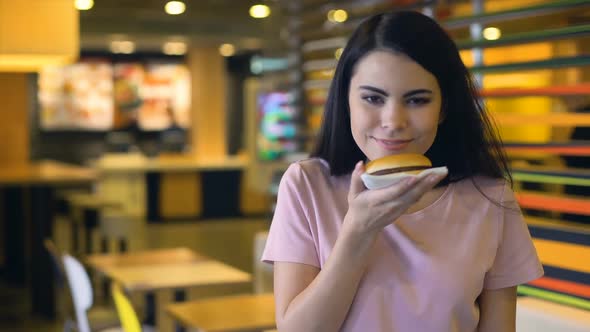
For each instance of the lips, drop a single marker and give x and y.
(392, 144)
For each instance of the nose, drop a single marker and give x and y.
(394, 117)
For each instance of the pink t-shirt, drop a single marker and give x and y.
(428, 268)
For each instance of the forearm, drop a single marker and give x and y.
(324, 304)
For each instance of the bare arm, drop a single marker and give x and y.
(497, 310)
(309, 299)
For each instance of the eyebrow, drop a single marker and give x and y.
(407, 94)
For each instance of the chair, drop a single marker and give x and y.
(105, 215)
(64, 211)
(127, 314)
(88, 210)
(115, 225)
(64, 309)
(82, 296)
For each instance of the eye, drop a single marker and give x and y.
(418, 101)
(374, 99)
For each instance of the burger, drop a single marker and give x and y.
(408, 163)
(383, 172)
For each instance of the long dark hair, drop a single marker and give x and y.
(466, 142)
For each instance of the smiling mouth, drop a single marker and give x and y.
(392, 144)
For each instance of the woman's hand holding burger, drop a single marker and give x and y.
(369, 211)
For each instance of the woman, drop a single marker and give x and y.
(440, 253)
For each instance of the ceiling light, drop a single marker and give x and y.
(227, 49)
(259, 11)
(175, 7)
(122, 46)
(492, 33)
(337, 15)
(174, 48)
(84, 4)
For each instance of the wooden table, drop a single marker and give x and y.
(46, 173)
(228, 313)
(28, 194)
(105, 262)
(164, 278)
(177, 275)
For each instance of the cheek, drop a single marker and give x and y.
(359, 120)
(355, 124)
(431, 118)
(432, 133)
(429, 125)
(426, 123)
(358, 124)
(355, 116)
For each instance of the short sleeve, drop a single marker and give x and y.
(516, 260)
(290, 238)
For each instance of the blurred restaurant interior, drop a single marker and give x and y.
(142, 143)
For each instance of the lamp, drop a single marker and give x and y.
(37, 33)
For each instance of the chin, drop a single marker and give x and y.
(385, 153)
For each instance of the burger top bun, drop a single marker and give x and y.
(389, 170)
(407, 163)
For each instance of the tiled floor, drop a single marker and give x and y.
(230, 241)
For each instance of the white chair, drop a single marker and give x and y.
(262, 272)
(82, 297)
(99, 317)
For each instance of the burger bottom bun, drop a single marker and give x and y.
(382, 181)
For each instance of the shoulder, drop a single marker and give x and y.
(313, 176)
(481, 186)
(306, 171)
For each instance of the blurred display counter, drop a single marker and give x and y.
(129, 163)
(45, 173)
(27, 198)
(174, 187)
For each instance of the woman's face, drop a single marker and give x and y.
(395, 105)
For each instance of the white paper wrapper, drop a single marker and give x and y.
(381, 181)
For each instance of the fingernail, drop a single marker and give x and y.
(357, 167)
(410, 181)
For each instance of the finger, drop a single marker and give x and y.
(438, 170)
(415, 186)
(390, 193)
(422, 186)
(356, 183)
